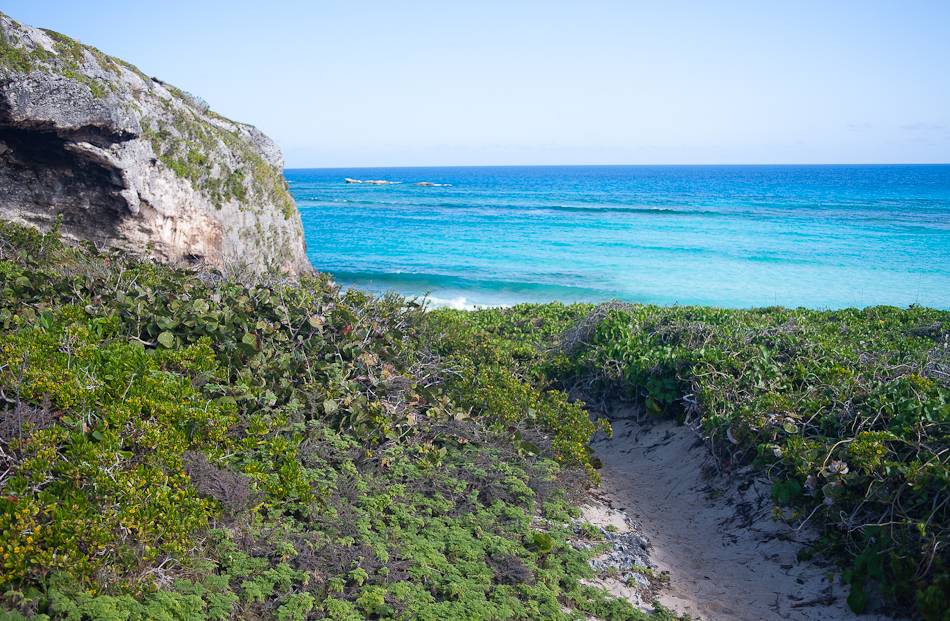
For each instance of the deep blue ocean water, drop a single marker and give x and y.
(731, 236)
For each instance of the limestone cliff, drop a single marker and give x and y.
(130, 161)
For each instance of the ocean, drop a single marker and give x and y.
(822, 237)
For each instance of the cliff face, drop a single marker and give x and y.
(130, 161)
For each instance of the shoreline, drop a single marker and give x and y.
(460, 300)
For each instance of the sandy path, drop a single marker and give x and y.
(715, 535)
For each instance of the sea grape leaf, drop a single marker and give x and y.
(543, 542)
(858, 597)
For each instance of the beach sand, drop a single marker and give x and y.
(715, 534)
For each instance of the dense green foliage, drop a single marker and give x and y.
(187, 446)
(848, 411)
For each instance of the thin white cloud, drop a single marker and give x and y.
(915, 126)
(856, 127)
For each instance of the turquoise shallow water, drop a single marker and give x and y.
(732, 236)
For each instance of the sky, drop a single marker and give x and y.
(524, 82)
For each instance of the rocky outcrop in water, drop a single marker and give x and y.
(127, 160)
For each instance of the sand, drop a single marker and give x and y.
(715, 534)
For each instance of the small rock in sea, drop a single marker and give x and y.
(378, 182)
(348, 180)
(424, 183)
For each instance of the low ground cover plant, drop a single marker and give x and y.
(193, 445)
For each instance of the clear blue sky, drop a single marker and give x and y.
(417, 83)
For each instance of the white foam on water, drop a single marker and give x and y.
(459, 303)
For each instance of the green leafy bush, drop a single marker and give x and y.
(848, 411)
(182, 445)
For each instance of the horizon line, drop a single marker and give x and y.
(608, 165)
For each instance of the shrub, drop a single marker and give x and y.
(179, 445)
